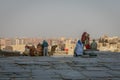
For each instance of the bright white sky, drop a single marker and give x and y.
(56, 18)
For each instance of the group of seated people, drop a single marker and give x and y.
(85, 39)
(85, 45)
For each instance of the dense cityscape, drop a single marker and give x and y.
(105, 43)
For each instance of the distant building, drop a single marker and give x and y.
(109, 44)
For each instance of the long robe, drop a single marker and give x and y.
(79, 48)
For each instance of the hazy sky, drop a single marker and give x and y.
(56, 18)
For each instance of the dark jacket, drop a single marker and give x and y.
(45, 44)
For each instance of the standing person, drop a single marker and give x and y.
(45, 48)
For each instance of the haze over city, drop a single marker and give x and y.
(56, 18)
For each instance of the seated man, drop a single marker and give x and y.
(94, 45)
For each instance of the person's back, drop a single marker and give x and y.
(45, 44)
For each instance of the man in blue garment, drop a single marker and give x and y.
(45, 48)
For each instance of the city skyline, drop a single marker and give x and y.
(57, 18)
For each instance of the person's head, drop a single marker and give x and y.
(43, 40)
(84, 33)
(93, 40)
(87, 35)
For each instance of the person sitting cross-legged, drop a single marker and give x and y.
(94, 45)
